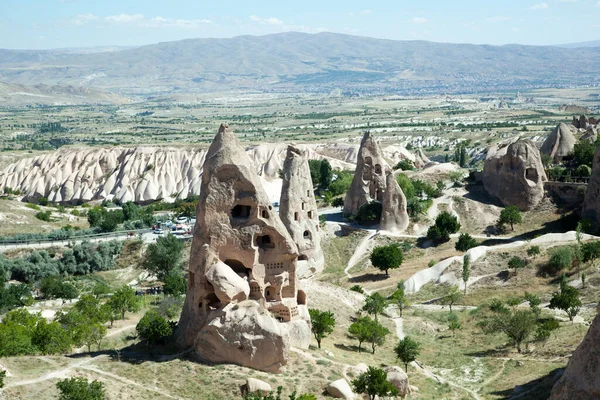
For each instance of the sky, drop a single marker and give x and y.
(44, 24)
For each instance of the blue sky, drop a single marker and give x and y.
(40, 24)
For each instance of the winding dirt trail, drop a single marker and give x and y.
(359, 253)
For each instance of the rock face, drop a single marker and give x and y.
(581, 379)
(298, 212)
(421, 159)
(255, 386)
(591, 203)
(591, 135)
(243, 303)
(397, 377)
(559, 143)
(340, 389)
(371, 182)
(515, 175)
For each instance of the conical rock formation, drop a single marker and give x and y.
(515, 175)
(581, 379)
(298, 212)
(370, 183)
(591, 202)
(559, 143)
(243, 303)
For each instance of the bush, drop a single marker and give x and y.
(387, 257)
(405, 165)
(80, 389)
(510, 215)
(465, 242)
(341, 183)
(337, 202)
(445, 225)
(369, 214)
(44, 215)
(560, 259)
(583, 170)
(43, 201)
(358, 289)
(154, 328)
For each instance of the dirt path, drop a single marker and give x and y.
(359, 253)
(61, 373)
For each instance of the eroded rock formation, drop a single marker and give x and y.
(374, 181)
(590, 135)
(298, 212)
(559, 143)
(243, 303)
(591, 202)
(515, 175)
(581, 379)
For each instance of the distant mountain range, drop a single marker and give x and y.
(298, 62)
(578, 45)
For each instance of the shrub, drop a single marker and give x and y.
(44, 215)
(43, 201)
(405, 165)
(80, 389)
(510, 215)
(369, 214)
(358, 289)
(154, 328)
(560, 259)
(445, 224)
(465, 242)
(583, 170)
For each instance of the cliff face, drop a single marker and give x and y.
(145, 173)
(581, 379)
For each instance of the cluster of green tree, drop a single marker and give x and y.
(419, 194)
(330, 183)
(277, 396)
(461, 156)
(23, 333)
(83, 258)
(13, 296)
(405, 164)
(64, 233)
(79, 388)
(579, 164)
(163, 259)
(520, 325)
(10, 191)
(465, 242)
(445, 225)
(132, 215)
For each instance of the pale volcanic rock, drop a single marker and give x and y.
(559, 143)
(590, 135)
(298, 212)
(394, 216)
(228, 285)
(421, 159)
(371, 183)
(591, 202)
(398, 378)
(340, 389)
(238, 229)
(515, 175)
(256, 386)
(581, 378)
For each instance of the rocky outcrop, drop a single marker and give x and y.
(371, 182)
(559, 143)
(340, 389)
(298, 212)
(591, 202)
(590, 135)
(398, 378)
(581, 379)
(584, 122)
(253, 318)
(515, 175)
(255, 386)
(421, 159)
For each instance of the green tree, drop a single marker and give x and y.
(445, 225)
(187, 209)
(51, 338)
(566, 299)
(407, 350)
(510, 215)
(124, 300)
(516, 263)
(517, 325)
(465, 242)
(374, 383)
(131, 211)
(101, 289)
(325, 175)
(561, 258)
(399, 299)
(452, 296)
(369, 214)
(387, 257)
(338, 202)
(315, 171)
(2, 376)
(163, 256)
(79, 388)
(534, 303)
(454, 323)
(590, 251)
(466, 270)
(175, 283)
(92, 334)
(374, 304)
(359, 330)
(154, 328)
(322, 324)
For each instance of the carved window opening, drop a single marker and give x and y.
(368, 161)
(378, 168)
(264, 242)
(308, 193)
(310, 214)
(531, 174)
(241, 211)
(238, 267)
(306, 235)
(301, 298)
(255, 293)
(302, 206)
(296, 216)
(265, 214)
(213, 301)
(302, 257)
(271, 293)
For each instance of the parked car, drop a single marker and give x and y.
(158, 231)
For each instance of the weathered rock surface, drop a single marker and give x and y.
(256, 386)
(340, 389)
(421, 159)
(591, 135)
(238, 229)
(370, 183)
(397, 377)
(515, 175)
(581, 379)
(147, 173)
(559, 143)
(298, 212)
(591, 202)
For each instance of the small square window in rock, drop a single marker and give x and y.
(241, 211)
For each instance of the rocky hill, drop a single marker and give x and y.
(41, 94)
(146, 173)
(311, 62)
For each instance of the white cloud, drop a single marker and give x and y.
(266, 21)
(498, 19)
(124, 18)
(83, 19)
(419, 20)
(539, 6)
(160, 22)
